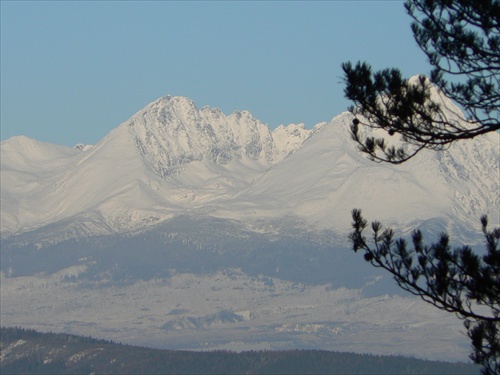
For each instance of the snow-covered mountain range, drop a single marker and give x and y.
(189, 228)
(172, 158)
(168, 158)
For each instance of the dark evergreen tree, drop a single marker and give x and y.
(458, 281)
(461, 39)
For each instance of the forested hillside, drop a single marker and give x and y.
(28, 352)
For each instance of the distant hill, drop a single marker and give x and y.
(30, 352)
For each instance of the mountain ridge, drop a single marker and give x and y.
(171, 158)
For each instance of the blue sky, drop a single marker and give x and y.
(72, 71)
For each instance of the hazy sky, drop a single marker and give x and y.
(72, 71)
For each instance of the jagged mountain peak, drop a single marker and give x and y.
(172, 132)
(169, 156)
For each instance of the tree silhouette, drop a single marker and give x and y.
(461, 40)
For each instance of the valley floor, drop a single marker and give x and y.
(231, 310)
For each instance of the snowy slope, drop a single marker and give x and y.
(28, 170)
(172, 158)
(325, 179)
(168, 158)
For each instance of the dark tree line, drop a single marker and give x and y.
(462, 42)
(51, 353)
